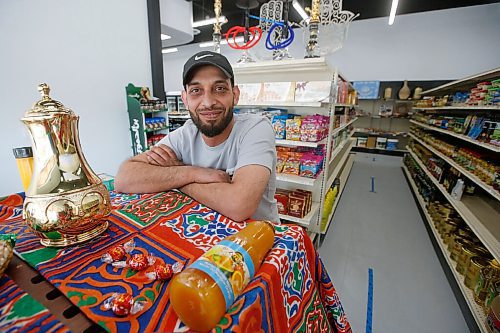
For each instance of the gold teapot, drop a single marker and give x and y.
(66, 202)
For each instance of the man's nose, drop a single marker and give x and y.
(208, 99)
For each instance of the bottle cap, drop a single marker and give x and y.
(23, 152)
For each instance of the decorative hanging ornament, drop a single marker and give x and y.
(216, 36)
(327, 27)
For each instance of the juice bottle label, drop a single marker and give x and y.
(230, 266)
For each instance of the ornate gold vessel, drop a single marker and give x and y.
(66, 202)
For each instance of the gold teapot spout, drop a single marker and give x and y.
(66, 202)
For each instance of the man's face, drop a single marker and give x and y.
(210, 99)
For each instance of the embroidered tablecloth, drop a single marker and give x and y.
(291, 292)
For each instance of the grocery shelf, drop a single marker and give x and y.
(338, 149)
(306, 220)
(476, 310)
(385, 149)
(490, 190)
(343, 180)
(465, 83)
(479, 213)
(293, 143)
(154, 111)
(341, 127)
(148, 130)
(285, 104)
(340, 164)
(297, 179)
(461, 107)
(459, 136)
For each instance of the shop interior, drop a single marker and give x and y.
(408, 139)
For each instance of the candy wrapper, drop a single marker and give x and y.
(7, 242)
(123, 304)
(118, 252)
(163, 272)
(138, 262)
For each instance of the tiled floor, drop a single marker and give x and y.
(384, 231)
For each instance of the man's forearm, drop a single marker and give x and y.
(221, 197)
(138, 177)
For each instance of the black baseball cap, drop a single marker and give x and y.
(207, 58)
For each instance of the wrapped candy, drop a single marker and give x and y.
(7, 242)
(123, 304)
(118, 252)
(163, 272)
(138, 262)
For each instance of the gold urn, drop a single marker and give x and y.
(66, 202)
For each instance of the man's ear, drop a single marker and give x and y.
(236, 97)
(184, 98)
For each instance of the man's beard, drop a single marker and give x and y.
(213, 128)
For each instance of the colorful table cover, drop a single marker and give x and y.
(291, 292)
(20, 313)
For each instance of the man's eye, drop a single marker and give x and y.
(194, 91)
(220, 89)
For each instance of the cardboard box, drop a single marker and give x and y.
(371, 142)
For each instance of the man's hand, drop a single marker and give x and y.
(162, 155)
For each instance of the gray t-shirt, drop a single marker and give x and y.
(251, 142)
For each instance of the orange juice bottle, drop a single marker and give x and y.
(203, 292)
(24, 160)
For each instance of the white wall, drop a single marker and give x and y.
(87, 51)
(438, 45)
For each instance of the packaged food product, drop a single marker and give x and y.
(123, 304)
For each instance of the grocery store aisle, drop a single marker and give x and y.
(384, 231)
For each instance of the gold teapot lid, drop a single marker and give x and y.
(46, 106)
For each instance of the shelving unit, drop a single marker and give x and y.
(460, 107)
(459, 136)
(476, 310)
(294, 70)
(343, 180)
(464, 83)
(137, 119)
(478, 213)
(306, 220)
(488, 189)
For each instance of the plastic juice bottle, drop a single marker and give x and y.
(24, 160)
(203, 292)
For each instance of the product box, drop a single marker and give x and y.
(361, 142)
(249, 92)
(381, 143)
(277, 92)
(371, 142)
(312, 91)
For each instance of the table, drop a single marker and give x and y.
(291, 292)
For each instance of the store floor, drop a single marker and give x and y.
(385, 232)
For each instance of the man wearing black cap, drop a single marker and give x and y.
(225, 161)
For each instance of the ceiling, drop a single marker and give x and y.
(367, 9)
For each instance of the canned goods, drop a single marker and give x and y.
(486, 276)
(493, 316)
(476, 265)
(492, 292)
(457, 248)
(447, 228)
(467, 252)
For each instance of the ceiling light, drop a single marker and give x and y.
(222, 20)
(170, 50)
(164, 37)
(300, 10)
(392, 16)
(223, 42)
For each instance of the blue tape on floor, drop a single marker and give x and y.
(369, 305)
(373, 185)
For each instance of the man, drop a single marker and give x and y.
(227, 162)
